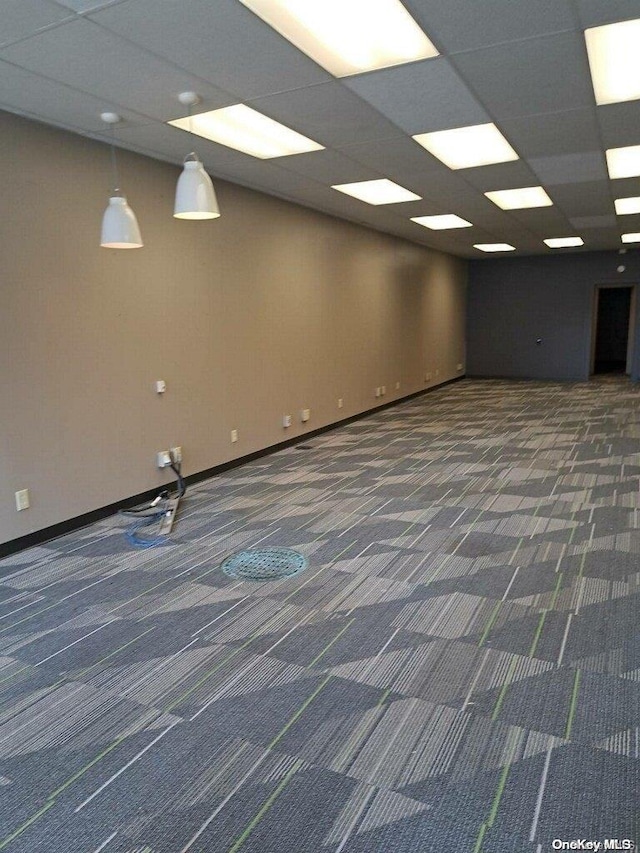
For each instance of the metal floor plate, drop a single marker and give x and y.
(264, 564)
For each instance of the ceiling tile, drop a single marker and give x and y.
(420, 97)
(328, 167)
(603, 238)
(548, 134)
(477, 209)
(397, 152)
(500, 176)
(594, 13)
(460, 246)
(528, 245)
(22, 18)
(99, 63)
(586, 222)
(277, 181)
(328, 113)
(628, 223)
(461, 25)
(517, 233)
(222, 42)
(425, 175)
(436, 185)
(570, 168)
(432, 207)
(542, 221)
(587, 199)
(82, 6)
(620, 124)
(624, 187)
(31, 95)
(338, 204)
(540, 75)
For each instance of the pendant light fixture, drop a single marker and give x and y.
(119, 224)
(195, 195)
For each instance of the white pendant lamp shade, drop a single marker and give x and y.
(195, 195)
(119, 226)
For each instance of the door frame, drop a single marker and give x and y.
(632, 324)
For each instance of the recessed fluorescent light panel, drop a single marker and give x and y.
(464, 147)
(441, 223)
(377, 192)
(627, 205)
(631, 238)
(347, 36)
(623, 162)
(614, 60)
(564, 242)
(247, 130)
(494, 247)
(518, 199)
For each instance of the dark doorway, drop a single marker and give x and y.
(612, 330)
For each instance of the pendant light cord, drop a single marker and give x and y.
(114, 163)
(190, 118)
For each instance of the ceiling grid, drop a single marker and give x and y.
(521, 66)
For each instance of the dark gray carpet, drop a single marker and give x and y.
(458, 670)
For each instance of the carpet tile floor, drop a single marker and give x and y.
(457, 670)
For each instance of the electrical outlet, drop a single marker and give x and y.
(437, 371)
(377, 392)
(427, 376)
(234, 435)
(163, 459)
(397, 386)
(177, 453)
(383, 390)
(161, 386)
(286, 421)
(340, 402)
(22, 500)
(459, 367)
(305, 414)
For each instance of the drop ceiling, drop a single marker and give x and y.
(521, 64)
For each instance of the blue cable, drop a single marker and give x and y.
(144, 542)
(146, 520)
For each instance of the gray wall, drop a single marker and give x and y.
(514, 301)
(268, 310)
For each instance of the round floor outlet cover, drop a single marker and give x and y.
(264, 564)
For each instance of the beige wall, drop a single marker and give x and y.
(268, 310)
